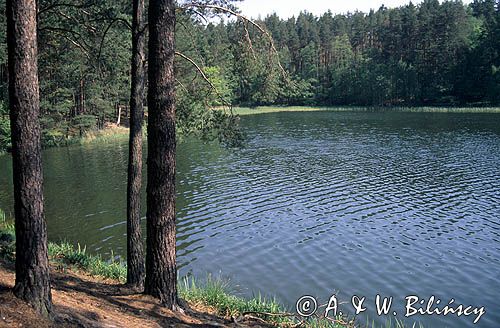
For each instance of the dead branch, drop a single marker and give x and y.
(204, 76)
(124, 21)
(56, 5)
(249, 40)
(197, 14)
(77, 44)
(62, 31)
(182, 86)
(89, 28)
(244, 18)
(271, 314)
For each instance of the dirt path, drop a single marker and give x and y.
(84, 301)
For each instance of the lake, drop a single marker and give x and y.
(384, 203)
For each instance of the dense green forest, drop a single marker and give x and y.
(430, 54)
(427, 54)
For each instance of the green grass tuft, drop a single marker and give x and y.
(66, 254)
(6, 224)
(7, 237)
(214, 293)
(108, 135)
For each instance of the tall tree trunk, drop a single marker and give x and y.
(135, 252)
(161, 270)
(32, 265)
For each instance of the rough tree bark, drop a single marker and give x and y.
(135, 252)
(161, 270)
(32, 265)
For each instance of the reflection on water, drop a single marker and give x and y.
(360, 203)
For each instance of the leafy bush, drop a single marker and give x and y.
(53, 138)
(84, 123)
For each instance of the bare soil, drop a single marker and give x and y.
(84, 301)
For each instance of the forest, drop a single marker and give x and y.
(429, 54)
(432, 54)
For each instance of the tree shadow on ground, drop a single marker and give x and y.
(126, 300)
(82, 301)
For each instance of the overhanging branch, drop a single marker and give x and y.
(204, 76)
(229, 11)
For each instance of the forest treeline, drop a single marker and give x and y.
(427, 54)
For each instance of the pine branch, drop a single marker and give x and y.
(204, 76)
(232, 12)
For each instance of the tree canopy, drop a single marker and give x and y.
(428, 54)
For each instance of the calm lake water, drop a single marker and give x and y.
(362, 204)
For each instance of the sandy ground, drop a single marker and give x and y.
(84, 301)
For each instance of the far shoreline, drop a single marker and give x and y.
(113, 133)
(244, 111)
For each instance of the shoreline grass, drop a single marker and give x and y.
(106, 135)
(211, 294)
(244, 111)
(66, 255)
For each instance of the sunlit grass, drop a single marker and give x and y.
(64, 254)
(107, 135)
(7, 236)
(243, 111)
(6, 224)
(67, 255)
(214, 294)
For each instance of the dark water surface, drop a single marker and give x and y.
(394, 204)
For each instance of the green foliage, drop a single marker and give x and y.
(84, 123)
(431, 54)
(4, 133)
(223, 127)
(194, 118)
(7, 237)
(5, 142)
(6, 224)
(66, 254)
(53, 138)
(214, 293)
(221, 96)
